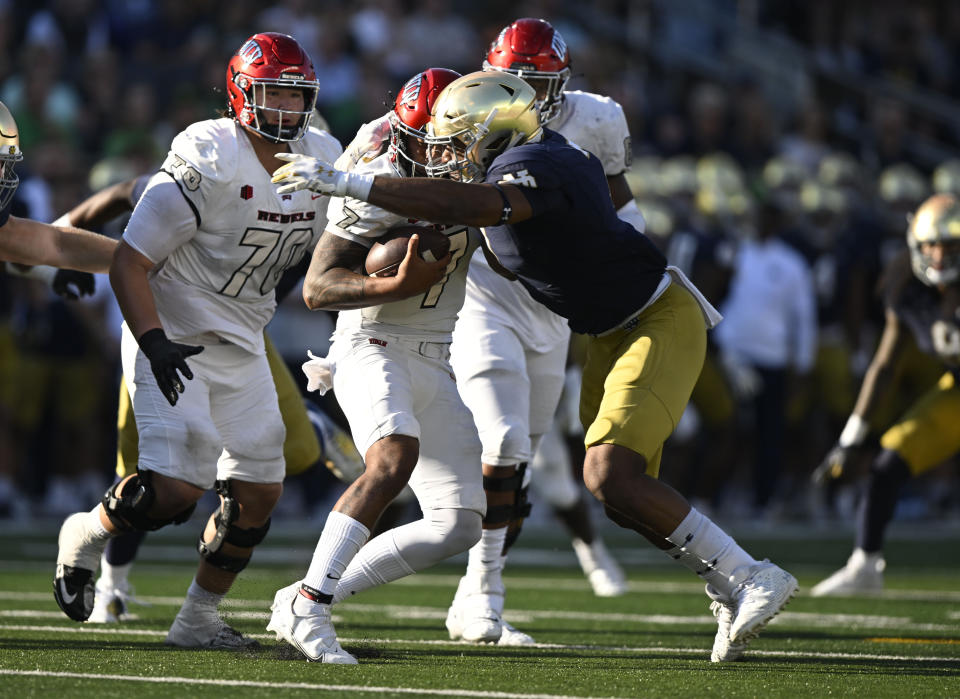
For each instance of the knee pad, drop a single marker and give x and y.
(227, 531)
(514, 514)
(440, 534)
(507, 440)
(127, 502)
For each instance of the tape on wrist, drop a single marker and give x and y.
(357, 185)
(854, 432)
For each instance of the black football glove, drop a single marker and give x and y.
(166, 359)
(72, 285)
(837, 465)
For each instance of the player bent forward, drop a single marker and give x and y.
(549, 219)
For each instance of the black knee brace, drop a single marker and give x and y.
(513, 514)
(226, 531)
(128, 511)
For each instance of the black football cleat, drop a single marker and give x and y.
(73, 588)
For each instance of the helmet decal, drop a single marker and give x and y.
(250, 52)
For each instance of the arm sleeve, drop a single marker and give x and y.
(162, 221)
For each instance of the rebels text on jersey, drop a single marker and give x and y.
(573, 255)
(216, 271)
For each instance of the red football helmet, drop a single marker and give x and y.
(411, 112)
(533, 50)
(271, 60)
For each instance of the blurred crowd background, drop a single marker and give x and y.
(820, 123)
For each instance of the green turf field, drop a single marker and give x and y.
(653, 642)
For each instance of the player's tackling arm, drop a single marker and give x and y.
(333, 280)
(446, 201)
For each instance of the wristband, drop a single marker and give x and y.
(356, 185)
(507, 209)
(63, 220)
(854, 432)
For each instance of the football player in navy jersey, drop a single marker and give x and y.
(550, 221)
(921, 289)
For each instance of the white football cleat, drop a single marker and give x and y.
(605, 575)
(863, 572)
(206, 630)
(724, 650)
(77, 560)
(483, 625)
(511, 636)
(312, 634)
(112, 604)
(759, 598)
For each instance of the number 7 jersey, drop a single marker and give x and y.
(217, 272)
(431, 315)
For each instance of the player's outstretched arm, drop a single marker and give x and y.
(28, 242)
(333, 280)
(437, 200)
(876, 383)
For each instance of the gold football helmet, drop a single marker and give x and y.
(10, 155)
(934, 240)
(946, 178)
(475, 119)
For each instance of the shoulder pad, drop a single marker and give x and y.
(210, 147)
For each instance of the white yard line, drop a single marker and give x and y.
(120, 631)
(290, 685)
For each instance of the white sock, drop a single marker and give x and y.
(95, 527)
(377, 563)
(413, 547)
(114, 577)
(711, 553)
(200, 599)
(485, 562)
(339, 542)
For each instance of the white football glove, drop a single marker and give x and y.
(305, 172)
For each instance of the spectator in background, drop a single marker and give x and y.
(769, 330)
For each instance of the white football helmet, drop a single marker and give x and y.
(475, 119)
(934, 240)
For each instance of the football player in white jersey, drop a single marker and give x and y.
(205, 246)
(24, 241)
(510, 352)
(393, 380)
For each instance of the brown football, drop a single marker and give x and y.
(385, 255)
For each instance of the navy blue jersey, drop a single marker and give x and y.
(573, 255)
